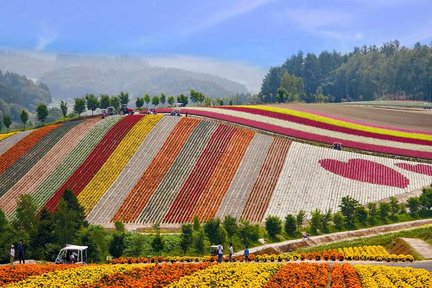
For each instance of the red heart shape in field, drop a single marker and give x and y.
(419, 168)
(366, 171)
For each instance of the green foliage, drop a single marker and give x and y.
(119, 226)
(394, 206)
(197, 97)
(300, 217)
(25, 221)
(316, 221)
(338, 220)
(155, 101)
(105, 101)
(183, 99)
(273, 225)
(139, 102)
(373, 213)
(117, 244)
(348, 206)
(384, 210)
(63, 107)
(79, 106)
(248, 233)
(413, 204)
(171, 100)
(230, 225)
(199, 242)
(134, 245)
(95, 238)
(290, 225)
(124, 97)
(426, 199)
(115, 102)
(7, 121)
(214, 231)
(24, 116)
(361, 215)
(157, 244)
(162, 99)
(186, 237)
(326, 219)
(42, 112)
(44, 234)
(92, 102)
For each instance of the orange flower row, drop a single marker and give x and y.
(344, 276)
(148, 276)
(8, 158)
(15, 273)
(300, 275)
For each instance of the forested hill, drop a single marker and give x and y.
(18, 92)
(366, 73)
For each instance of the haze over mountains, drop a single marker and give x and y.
(71, 76)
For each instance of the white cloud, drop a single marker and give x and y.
(246, 74)
(46, 36)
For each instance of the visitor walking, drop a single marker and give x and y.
(220, 252)
(12, 254)
(231, 251)
(21, 252)
(246, 254)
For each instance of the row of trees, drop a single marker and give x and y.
(366, 73)
(41, 113)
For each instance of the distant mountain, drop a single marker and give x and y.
(71, 76)
(18, 92)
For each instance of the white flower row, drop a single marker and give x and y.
(7, 143)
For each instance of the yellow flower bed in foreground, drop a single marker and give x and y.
(6, 135)
(73, 277)
(109, 172)
(230, 275)
(342, 123)
(385, 276)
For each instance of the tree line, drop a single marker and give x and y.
(366, 73)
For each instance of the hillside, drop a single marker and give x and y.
(70, 76)
(147, 169)
(18, 92)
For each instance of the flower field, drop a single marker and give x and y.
(6, 135)
(155, 168)
(213, 275)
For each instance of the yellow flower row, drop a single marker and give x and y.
(378, 253)
(6, 135)
(73, 277)
(385, 276)
(341, 123)
(109, 172)
(230, 275)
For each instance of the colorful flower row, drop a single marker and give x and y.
(344, 276)
(6, 135)
(15, 273)
(383, 276)
(301, 275)
(72, 277)
(45, 166)
(7, 143)
(117, 161)
(377, 253)
(105, 209)
(148, 276)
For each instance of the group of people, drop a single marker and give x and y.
(20, 250)
(231, 252)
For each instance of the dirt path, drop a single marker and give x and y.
(421, 247)
(290, 245)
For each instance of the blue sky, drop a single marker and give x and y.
(259, 33)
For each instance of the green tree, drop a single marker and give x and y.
(214, 231)
(7, 121)
(162, 99)
(104, 101)
(338, 220)
(348, 206)
(79, 105)
(199, 242)
(171, 100)
(300, 217)
(139, 102)
(394, 207)
(373, 213)
(117, 244)
(248, 233)
(186, 237)
(155, 101)
(316, 221)
(124, 97)
(326, 219)
(44, 235)
(183, 99)
(63, 108)
(230, 225)
(25, 221)
(413, 206)
(273, 225)
(197, 97)
(115, 102)
(384, 210)
(290, 225)
(157, 242)
(119, 226)
(426, 200)
(147, 99)
(196, 223)
(95, 237)
(42, 112)
(281, 95)
(92, 102)
(24, 117)
(361, 215)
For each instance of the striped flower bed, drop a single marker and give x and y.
(164, 196)
(10, 141)
(6, 135)
(146, 186)
(113, 166)
(72, 161)
(83, 174)
(46, 165)
(113, 198)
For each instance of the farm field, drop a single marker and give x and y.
(207, 274)
(144, 169)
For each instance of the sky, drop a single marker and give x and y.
(250, 34)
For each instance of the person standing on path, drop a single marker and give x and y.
(21, 252)
(12, 254)
(220, 252)
(246, 254)
(231, 251)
